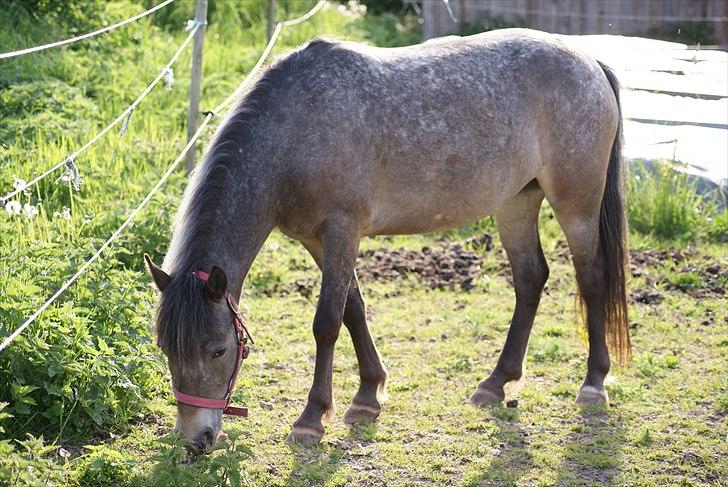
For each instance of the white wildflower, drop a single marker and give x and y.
(30, 210)
(168, 79)
(356, 8)
(13, 207)
(21, 185)
(66, 213)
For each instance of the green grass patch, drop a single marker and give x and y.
(664, 202)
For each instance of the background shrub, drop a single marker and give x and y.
(664, 202)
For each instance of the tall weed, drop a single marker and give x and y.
(665, 203)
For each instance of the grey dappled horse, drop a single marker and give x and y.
(337, 141)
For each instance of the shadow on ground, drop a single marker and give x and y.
(593, 449)
(512, 459)
(314, 465)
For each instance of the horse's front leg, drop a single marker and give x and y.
(340, 246)
(367, 404)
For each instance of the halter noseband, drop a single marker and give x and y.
(242, 353)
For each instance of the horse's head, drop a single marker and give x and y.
(198, 330)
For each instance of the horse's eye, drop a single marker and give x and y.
(219, 353)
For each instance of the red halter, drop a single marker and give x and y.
(242, 353)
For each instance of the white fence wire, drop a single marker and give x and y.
(43, 47)
(123, 116)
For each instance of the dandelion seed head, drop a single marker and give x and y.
(30, 210)
(13, 207)
(168, 79)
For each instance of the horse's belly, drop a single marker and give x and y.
(436, 200)
(443, 169)
(401, 221)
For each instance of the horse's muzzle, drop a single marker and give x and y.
(202, 443)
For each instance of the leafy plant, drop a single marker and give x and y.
(684, 280)
(221, 467)
(664, 202)
(104, 466)
(30, 465)
(647, 365)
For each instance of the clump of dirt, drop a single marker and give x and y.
(639, 259)
(456, 265)
(304, 287)
(712, 280)
(646, 296)
(703, 277)
(452, 266)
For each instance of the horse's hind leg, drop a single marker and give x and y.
(577, 207)
(518, 229)
(340, 246)
(366, 405)
(581, 228)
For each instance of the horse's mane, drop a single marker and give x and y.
(183, 315)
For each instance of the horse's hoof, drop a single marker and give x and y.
(591, 396)
(485, 397)
(359, 413)
(300, 435)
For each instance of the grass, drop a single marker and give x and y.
(669, 408)
(87, 392)
(664, 202)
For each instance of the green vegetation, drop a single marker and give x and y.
(84, 392)
(664, 202)
(691, 33)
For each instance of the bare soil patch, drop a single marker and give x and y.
(448, 265)
(457, 265)
(705, 277)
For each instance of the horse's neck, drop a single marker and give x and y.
(226, 229)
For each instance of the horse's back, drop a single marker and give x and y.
(441, 133)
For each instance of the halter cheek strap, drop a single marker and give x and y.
(243, 351)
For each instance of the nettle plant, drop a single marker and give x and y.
(26, 462)
(224, 467)
(88, 364)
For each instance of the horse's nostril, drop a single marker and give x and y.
(194, 449)
(209, 436)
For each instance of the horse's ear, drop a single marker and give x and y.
(161, 278)
(216, 284)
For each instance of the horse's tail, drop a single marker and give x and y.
(613, 242)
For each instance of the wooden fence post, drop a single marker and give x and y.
(271, 17)
(195, 80)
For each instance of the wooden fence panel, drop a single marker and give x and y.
(625, 17)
